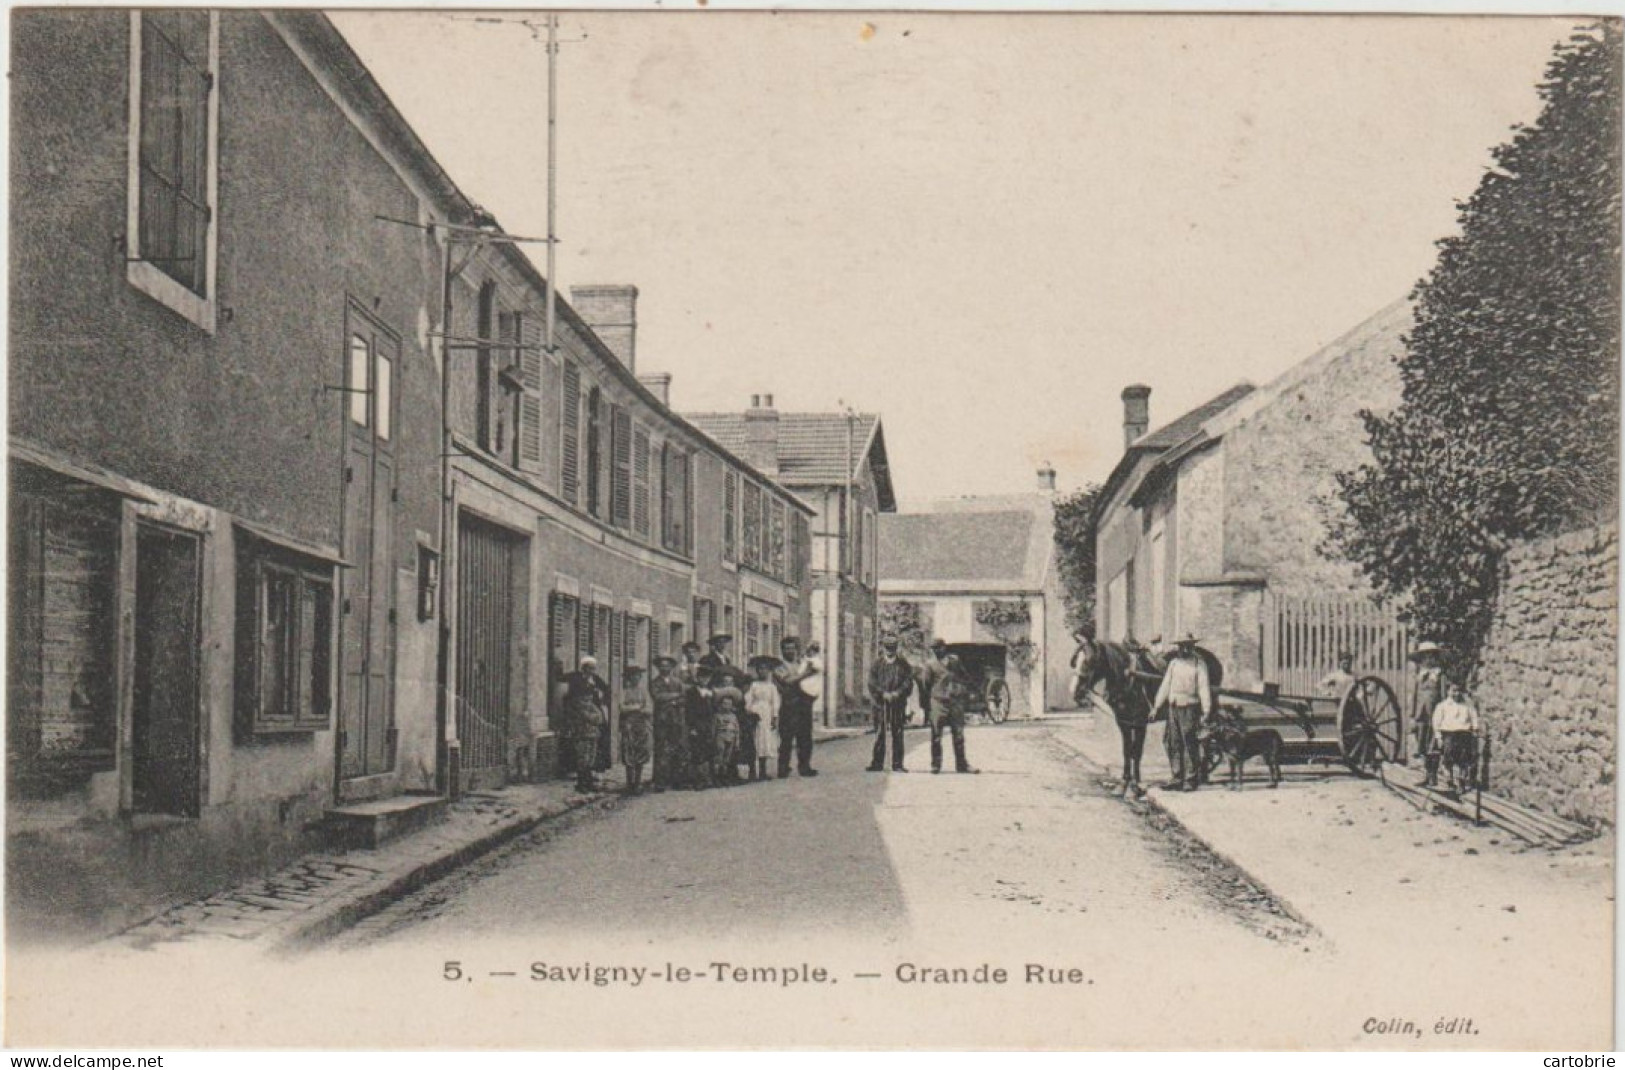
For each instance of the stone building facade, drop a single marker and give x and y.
(1209, 517)
(1548, 683)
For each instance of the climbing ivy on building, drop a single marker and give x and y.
(1509, 419)
(1075, 552)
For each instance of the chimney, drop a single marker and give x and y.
(659, 384)
(1046, 479)
(762, 434)
(612, 313)
(1136, 412)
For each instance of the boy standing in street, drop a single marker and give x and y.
(1455, 724)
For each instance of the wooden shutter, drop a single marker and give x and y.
(620, 503)
(751, 553)
(667, 513)
(530, 402)
(730, 516)
(570, 458)
(584, 637)
(62, 643)
(640, 480)
(600, 631)
(776, 536)
(681, 504)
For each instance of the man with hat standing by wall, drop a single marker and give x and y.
(1189, 695)
(890, 681)
(1429, 658)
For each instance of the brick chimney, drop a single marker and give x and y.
(1136, 412)
(1046, 479)
(612, 313)
(762, 434)
(659, 384)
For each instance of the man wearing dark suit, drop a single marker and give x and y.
(890, 681)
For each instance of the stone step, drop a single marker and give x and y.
(376, 821)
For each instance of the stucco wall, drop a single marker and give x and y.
(1548, 680)
(237, 419)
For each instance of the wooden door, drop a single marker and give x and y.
(165, 729)
(486, 607)
(367, 645)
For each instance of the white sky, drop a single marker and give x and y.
(980, 226)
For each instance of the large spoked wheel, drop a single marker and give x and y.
(1368, 725)
(998, 701)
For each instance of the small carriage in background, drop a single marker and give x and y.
(984, 667)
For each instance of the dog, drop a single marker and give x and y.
(1237, 743)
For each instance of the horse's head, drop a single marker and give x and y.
(1091, 666)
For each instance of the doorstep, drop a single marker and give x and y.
(377, 821)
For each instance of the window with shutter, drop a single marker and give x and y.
(570, 455)
(676, 501)
(752, 550)
(174, 142)
(562, 616)
(730, 517)
(640, 480)
(530, 401)
(620, 508)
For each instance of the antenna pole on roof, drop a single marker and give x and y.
(552, 173)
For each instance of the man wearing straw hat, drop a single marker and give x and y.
(1189, 695)
(1429, 692)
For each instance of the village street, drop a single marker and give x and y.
(1034, 862)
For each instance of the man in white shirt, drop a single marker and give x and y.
(1189, 696)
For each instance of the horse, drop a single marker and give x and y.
(1130, 676)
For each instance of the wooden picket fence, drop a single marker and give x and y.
(1302, 638)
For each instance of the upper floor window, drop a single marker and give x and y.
(675, 501)
(174, 112)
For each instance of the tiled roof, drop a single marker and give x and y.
(1172, 434)
(813, 446)
(981, 548)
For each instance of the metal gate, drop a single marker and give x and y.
(1303, 636)
(487, 605)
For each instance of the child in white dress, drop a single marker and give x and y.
(762, 703)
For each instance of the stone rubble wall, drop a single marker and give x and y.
(1547, 682)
